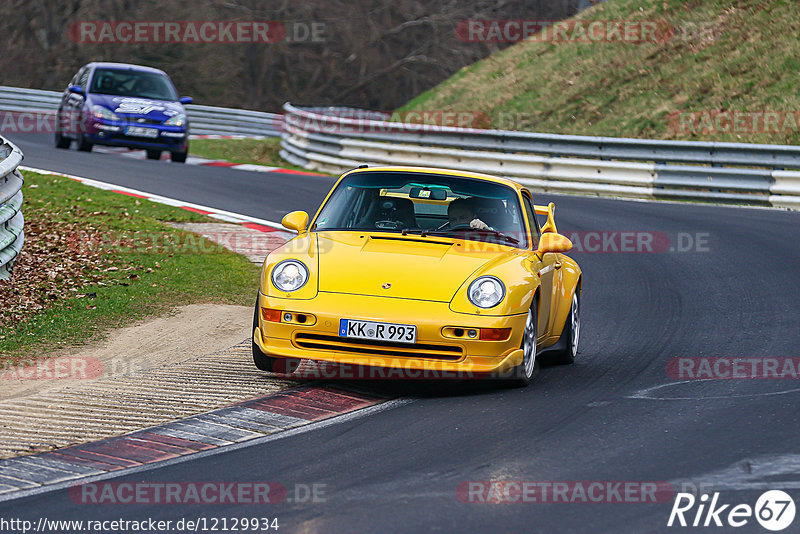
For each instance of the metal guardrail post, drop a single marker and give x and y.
(12, 235)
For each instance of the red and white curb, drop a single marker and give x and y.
(251, 420)
(253, 223)
(195, 160)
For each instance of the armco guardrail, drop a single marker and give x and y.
(12, 236)
(203, 120)
(335, 139)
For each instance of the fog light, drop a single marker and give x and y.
(287, 317)
(472, 333)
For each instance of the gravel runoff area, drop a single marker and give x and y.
(194, 360)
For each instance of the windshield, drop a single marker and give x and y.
(132, 83)
(427, 204)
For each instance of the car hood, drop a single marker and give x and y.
(131, 107)
(413, 267)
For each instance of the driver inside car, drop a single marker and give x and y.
(106, 84)
(462, 212)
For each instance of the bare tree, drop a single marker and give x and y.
(373, 53)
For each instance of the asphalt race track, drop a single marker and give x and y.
(615, 415)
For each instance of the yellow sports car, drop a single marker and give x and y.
(418, 270)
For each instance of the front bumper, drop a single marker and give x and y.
(435, 349)
(112, 133)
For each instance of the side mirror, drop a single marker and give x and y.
(551, 242)
(298, 221)
(186, 100)
(75, 89)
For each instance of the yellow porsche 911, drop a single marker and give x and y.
(416, 269)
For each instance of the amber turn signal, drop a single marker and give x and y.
(271, 315)
(495, 334)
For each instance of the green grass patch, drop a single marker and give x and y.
(96, 260)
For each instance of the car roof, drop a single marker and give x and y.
(438, 170)
(128, 66)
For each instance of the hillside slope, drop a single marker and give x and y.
(724, 70)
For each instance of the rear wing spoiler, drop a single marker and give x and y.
(549, 210)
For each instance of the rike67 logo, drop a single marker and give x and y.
(774, 510)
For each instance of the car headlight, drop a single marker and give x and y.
(486, 292)
(102, 112)
(289, 275)
(176, 120)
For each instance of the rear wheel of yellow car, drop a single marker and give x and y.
(268, 363)
(524, 373)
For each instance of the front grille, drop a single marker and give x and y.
(377, 348)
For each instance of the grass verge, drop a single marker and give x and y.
(251, 151)
(96, 260)
(728, 63)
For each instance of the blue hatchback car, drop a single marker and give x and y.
(117, 104)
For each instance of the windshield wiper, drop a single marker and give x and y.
(495, 233)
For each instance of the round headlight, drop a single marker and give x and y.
(486, 292)
(289, 275)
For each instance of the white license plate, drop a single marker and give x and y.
(138, 131)
(401, 333)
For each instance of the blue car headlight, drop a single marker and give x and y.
(102, 112)
(176, 120)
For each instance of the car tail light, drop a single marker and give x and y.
(495, 334)
(271, 315)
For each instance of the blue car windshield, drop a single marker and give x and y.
(426, 204)
(132, 83)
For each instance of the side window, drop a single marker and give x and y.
(74, 80)
(83, 81)
(532, 218)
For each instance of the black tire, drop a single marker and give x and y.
(153, 154)
(570, 335)
(527, 371)
(178, 157)
(61, 141)
(263, 362)
(83, 144)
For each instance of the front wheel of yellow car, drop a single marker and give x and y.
(268, 363)
(524, 373)
(571, 334)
